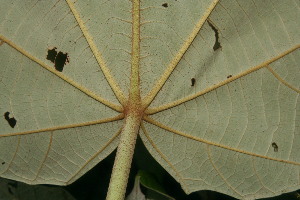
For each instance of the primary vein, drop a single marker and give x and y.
(160, 125)
(106, 120)
(172, 65)
(62, 76)
(224, 82)
(113, 84)
(135, 54)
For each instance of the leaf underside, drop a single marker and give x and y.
(219, 81)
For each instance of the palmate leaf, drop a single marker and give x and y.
(218, 80)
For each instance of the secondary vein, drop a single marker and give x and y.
(172, 65)
(113, 84)
(160, 125)
(62, 76)
(224, 82)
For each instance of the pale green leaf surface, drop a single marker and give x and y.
(248, 114)
(250, 33)
(216, 134)
(39, 99)
(163, 32)
(109, 23)
(37, 26)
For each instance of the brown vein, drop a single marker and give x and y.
(14, 156)
(115, 107)
(164, 157)
(282, 80)
(113, 84)
(95, 155)
(118, 117)
(259, 178)
(174, 62)
(220, 174)
(233, 78)
(156, 123)
(45, 157)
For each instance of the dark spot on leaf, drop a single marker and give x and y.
(193, 80)
(59, 59)
(274, 145)
(229, 76)
(165, 5)
(52, 54)
(217, 44)
(3, 163)
(11, 121)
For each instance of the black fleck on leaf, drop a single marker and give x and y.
(229, 76)
(275, 146)
(11, 121)
(217, 44)
(165, 5)
(60, 61)
(193, 80)
(52, 54)
(3, 163)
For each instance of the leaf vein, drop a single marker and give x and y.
(172, 65)
(113, 84)
(95, 155)
(106, 120)
(220, 174)
(215, 86)
(164, 157)
(113, 106)
(156, 123)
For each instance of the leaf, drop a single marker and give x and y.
(136, 193)
(215, 83)
(155, 189)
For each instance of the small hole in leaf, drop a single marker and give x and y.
(275, 146)
(59, 59)
(217, 44)
(193, 80)
(229, 76)
(11, 121)
(165, 5)
(52, 54)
